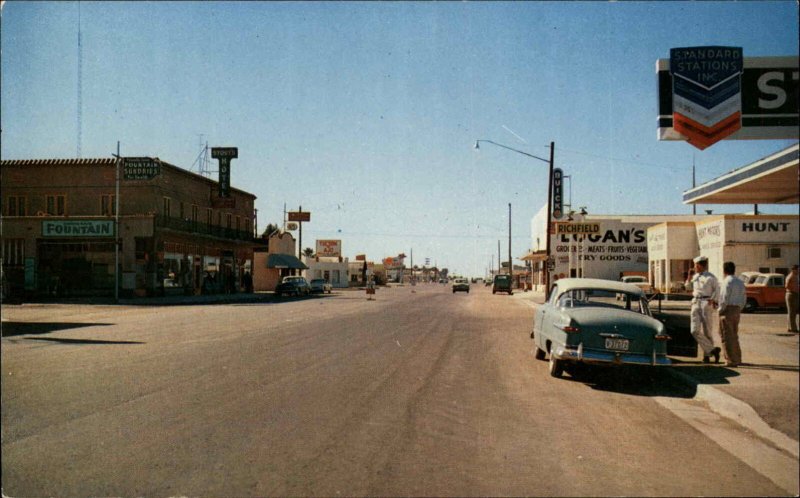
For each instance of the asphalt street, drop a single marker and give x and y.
(419, 392)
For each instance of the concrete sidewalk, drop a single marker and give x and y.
(761, 394)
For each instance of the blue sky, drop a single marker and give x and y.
(366, 113)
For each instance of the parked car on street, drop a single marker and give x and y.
(595, 321)
(320, 285)
(766, 292)
(461, 284)
(638, 281)
(293, 286)
(749, 277)
(502, 283)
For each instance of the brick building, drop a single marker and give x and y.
(176, 233)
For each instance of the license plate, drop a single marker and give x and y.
(618, 344)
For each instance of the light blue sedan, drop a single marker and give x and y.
(597, 321)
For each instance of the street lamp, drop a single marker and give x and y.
(549, 198)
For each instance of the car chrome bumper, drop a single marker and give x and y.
(609, 357)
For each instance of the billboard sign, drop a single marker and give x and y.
(329, 248)
(299, 216)
(768, 97)
(140, 168)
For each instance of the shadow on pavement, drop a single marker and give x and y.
(80, 341)
(631, 380)
(11, 329)
(779, 368)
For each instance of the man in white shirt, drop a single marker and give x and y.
(732, 297)
(705, 294)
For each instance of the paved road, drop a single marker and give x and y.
(420, 392)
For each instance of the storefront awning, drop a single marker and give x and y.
(535, 256)
(771, 180)
(285, 261)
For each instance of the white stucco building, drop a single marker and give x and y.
(763, 243)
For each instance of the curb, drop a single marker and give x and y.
(738, 411)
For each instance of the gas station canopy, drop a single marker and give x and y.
(774, 179)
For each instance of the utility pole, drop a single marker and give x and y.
(510, 266)
(499, 263)
(694, 206)
(300, 240)
(116, 229)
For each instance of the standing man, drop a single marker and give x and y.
(705, 294)
(732, 298)
(792, 298)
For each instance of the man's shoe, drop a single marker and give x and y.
(706, 359)
(715, 352)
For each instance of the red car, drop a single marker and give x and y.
(766, 292)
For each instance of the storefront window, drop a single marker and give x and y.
(15, 206)
(108, 205)
(56, 205)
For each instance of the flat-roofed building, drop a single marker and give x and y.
(176, 233)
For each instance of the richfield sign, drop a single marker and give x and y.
(708, 94)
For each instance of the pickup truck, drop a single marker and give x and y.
(766, 292)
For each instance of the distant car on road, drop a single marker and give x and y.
(293, 286)
(320, 285)
(597, 321)
(639, 281)
(461, 284)
(502, 283)
(766, 292)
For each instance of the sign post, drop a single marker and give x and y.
(299, 216)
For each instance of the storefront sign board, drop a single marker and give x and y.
(77, 228)
(140, 168)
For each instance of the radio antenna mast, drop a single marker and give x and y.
(203, 160)
(80, 84)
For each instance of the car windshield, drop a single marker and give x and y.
(503, 278)
(603, 298)
(292, 279)
(762, 280)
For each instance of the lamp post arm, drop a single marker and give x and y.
(549, 221)
(513, 149)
